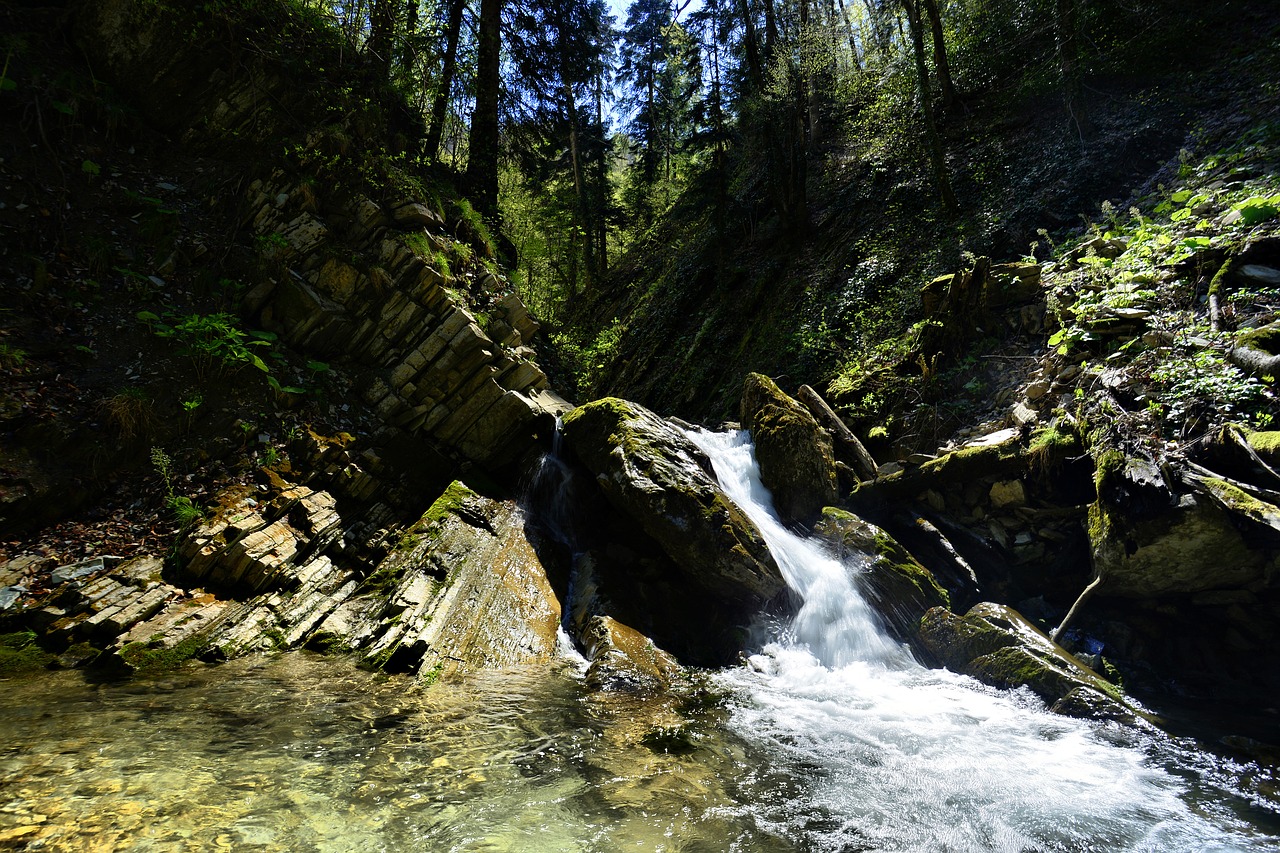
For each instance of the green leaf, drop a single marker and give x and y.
(1257, 209)
(148, 317)
(1197, 242)
(259, 363)
(1057, 337)
(63, 107)
(265, 336)
(1180, 196)
(1180, 215)
(317, 367)
(90, 168)
(7, 85)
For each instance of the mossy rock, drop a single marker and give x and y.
(1267, 445)
(795, 454)
(157, 657)
(19, 653)
(997, 646)
(1191, 547)
(653, 474)
(898, 586)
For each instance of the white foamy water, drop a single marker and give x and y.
(874, 752)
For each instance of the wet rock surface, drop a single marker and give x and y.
(996, 645)
(653, 474)
(795, 454)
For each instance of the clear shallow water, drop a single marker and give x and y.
(304, 753)
(835, 740)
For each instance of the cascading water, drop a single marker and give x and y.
(874, 752)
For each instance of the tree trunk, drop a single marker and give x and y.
(940, 63)
(602, 186)
(440, 108)
(1067, 22)
(755, 68)
(853, 41)
(482, 163)
(937, 155)
(382, 26)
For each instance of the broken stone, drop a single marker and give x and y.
(1008, 493)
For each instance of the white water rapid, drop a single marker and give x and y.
(874, 752)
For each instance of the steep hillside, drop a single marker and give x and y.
(688, 312)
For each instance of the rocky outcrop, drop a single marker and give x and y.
(897, 585)
(654, 475)
(461, 589)
(996, 645)
(797, 462)
(430, 367)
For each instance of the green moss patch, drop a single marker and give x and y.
(155, 657)
(19, 653)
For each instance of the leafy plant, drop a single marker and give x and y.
(1257, 208)
(11, 357)
(213, 342)
(185, 511)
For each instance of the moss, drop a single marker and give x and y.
(1239, 501)
(388, 574)
(19, 653)
(969, 462)
(616, 406)
(1107, 464)
(1265, 338)
(900, 561)
(332, 645)
(154, 657)
(1266, 444)
(454, 497)
(1215, 286)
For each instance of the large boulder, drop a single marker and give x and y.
(897, 585)
(797, 461)
(652, 473)
(1188, 545)
(997, 646)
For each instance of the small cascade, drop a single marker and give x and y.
(550, 499)
(834, 621)
(871, 751)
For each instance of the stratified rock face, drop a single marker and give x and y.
(797, 463)
(469, 593)
(899, 587)
(461, 589)
(996, 645)
(652, 473)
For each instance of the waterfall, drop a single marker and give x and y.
(871, 751)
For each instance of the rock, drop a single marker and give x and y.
(9, 596)
(896, 584)
(795, 454)
(466, 591)
(996, 645)
(622, 658)
(1037, 389)
(848, 449)
(414, 215)
(1022, 415)
(1009, 284)
(82, 569)
(1186, 548)
(653, 474)
(1259, 275)
(1008, 493)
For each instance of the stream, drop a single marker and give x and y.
(832, 739)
